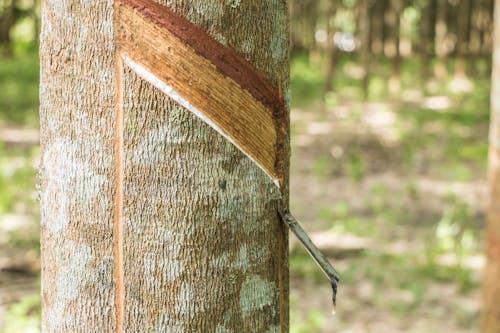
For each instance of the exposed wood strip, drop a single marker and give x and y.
(227, 61)
(118, 220)
(237, 102)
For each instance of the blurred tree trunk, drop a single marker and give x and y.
(425, 41)
(440, 69)
(488, 33)
(392, 19)
(491, 285)
(9, 14)
(365, 31)
(331, 50)
(35, 13)
(475, 35)
(377, 27)
(203, 248)
(312, 13)
(464, 10)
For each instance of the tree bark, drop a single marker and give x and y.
(491, 287)
(202, 245)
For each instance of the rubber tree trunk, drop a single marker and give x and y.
(491, 287)
(377, 27)
(487, 35)
(441, 33)
(203, 248)
(463, 28)
(331, 53)
(475, 35)
(365, 31)
(393, 20)
(425, 42)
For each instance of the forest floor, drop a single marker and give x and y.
(393, 190)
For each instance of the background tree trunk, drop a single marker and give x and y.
(392, 20)
(365, 31)
(331, 53)
(377, 34)
(203, 247)
(425, 42)
(463, 27)
(491, 287)
(440, 69)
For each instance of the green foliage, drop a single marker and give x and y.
(306, 80)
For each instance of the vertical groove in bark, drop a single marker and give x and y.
(118, 220)
(491, 288)
(77, 169)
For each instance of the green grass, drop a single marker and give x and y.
(23, 316)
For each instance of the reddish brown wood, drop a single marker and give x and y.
(227, 61)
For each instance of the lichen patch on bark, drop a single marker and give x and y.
(256, 294)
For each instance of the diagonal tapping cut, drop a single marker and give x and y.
(209, 79)
(218, 86)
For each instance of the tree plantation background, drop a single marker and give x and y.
(390, 118)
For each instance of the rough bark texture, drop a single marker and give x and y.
(77, 170)
(491, 287)
(203, 247)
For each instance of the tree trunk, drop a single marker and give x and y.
(487, 33)
(154, 222)
(491, 287)
(9, 14)
(425, 42)
(331, 50)
(364, 27)
(475, 35)
(392, 19)
(464, 9)
(440, 70)
(377, 34)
